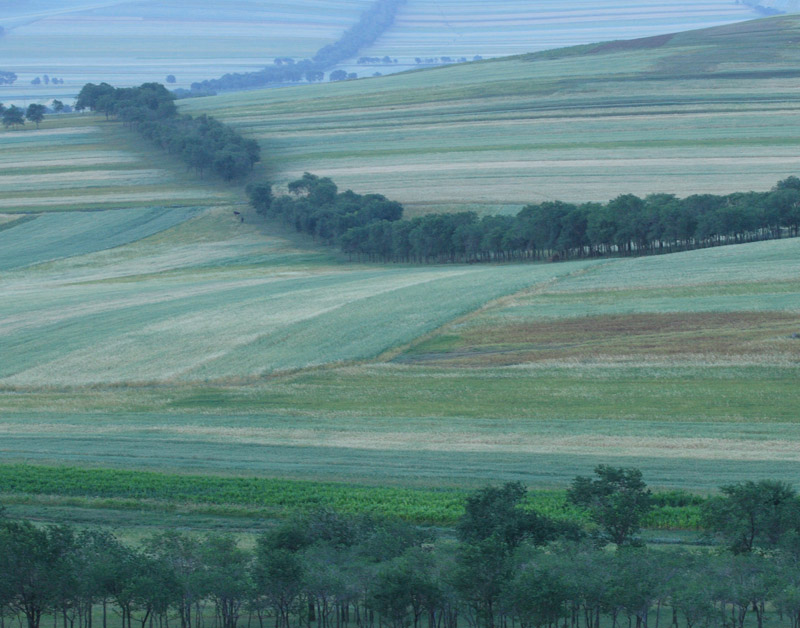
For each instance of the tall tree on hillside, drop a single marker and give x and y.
(35, 113)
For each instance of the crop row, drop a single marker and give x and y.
(280, 497)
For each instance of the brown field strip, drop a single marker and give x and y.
(724, 335)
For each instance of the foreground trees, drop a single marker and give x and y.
(751, 515)
(617, 500)
(509, 566)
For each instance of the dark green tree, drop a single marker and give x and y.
(13, 116)
(498, 512)
(260, 195)
(35, 113)
(753, 514)
(616, 498)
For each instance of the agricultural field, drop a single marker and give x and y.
(85, 163)
(164, 361)
(468, 28)
(701, 112)
(126, 43)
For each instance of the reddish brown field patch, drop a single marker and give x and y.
(723, 335)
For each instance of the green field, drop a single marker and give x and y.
(702, 112)
(85, 163)
(167, 337)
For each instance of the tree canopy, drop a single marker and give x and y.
(617, 499)
(203, 143)
(13, 116)
(753, 514)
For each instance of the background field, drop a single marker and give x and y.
(702, 112)
(166, 336)
(128, 43)
(468, 28)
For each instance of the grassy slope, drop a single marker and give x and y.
(85, 163)
(465, 390)
(469, 27)
(706, 111)
(202, 39)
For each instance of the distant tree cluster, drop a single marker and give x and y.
(371, 25)
(46, 80)
(386, 60)
(342, 75)
(316, 207)
(508, 565)
(7, 78)
(203, 143)
(14, 116)
(627, 225)
(443, 60)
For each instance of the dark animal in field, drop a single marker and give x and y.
(239, 215)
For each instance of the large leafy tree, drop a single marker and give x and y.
(616, 498)
(498, 512)
(753, 514)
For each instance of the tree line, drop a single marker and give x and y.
(14, 116)
(203, 143)
(370, 26)
(505, 566)
(554, 230)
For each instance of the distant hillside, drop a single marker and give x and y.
(708, 111)
(777, 6)
(464, 28)
(128, 43)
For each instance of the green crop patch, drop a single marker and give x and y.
(264, 497)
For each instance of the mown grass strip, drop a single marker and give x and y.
(277, 497)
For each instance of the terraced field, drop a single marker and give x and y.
(126, 43)
(86, 163)
(704, 112)
(180, 340)
(468, 27)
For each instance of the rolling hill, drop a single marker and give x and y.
(128, 43)
(160, 333)
(709, 111)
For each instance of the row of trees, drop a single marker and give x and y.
(203, 143)
(6, 78)
(508, 564)
(371, 25)
(14, 116)
(627, 225)
(318, 208)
